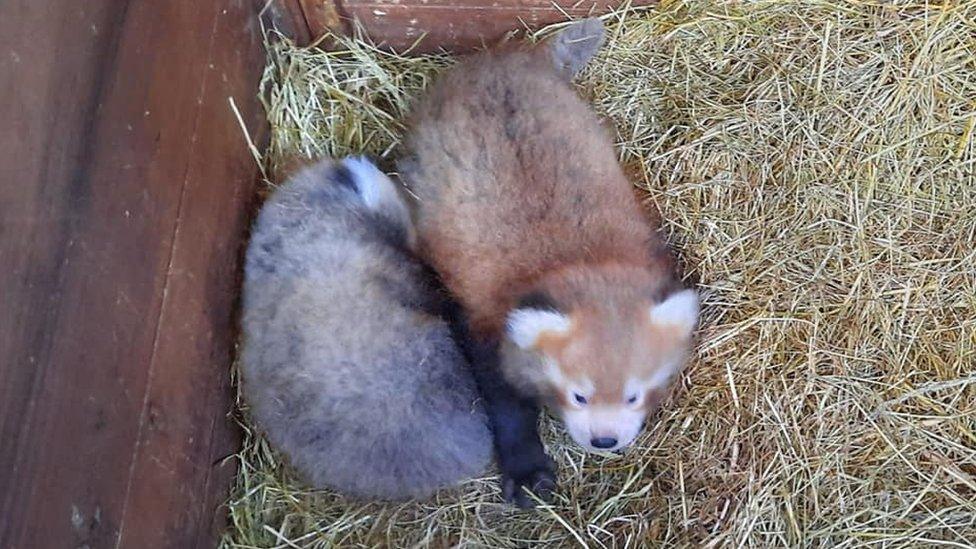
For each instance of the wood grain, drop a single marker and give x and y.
(452, 25)
(286, 17)
(124, 198)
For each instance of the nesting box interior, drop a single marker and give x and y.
(127, 188)
(813, 163)
(421, 26)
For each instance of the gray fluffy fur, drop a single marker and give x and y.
(348, 364)
(575, 45)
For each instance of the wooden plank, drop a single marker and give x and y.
(120, 242)
(453, 25)
(323, 17)
(286, 17)
(188, 428)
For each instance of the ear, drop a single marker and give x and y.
(575, 45)
(526, 325)
(679, 310)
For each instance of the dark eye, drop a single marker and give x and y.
(632, 400)
(580, 399)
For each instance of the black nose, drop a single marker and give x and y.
(603, 442)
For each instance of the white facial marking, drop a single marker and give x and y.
(679, 310)
(526, 325)
(635, 387)
(583, 388)
(617, 422)
(553, 372)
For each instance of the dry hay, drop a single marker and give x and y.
(814, 163)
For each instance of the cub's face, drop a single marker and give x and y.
(605, 368)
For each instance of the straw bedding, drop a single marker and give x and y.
(815, 166)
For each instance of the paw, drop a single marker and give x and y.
(540, 481)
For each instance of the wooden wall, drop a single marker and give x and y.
(125, 190)
(453, 25)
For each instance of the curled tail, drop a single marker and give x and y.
(378, 192)
(573, 47)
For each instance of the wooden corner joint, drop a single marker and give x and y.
(323, 17)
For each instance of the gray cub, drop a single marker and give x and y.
(349, 364)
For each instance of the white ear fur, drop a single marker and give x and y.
(526, 325)
(679, 310)
(662, 376)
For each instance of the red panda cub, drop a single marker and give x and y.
(530, 221)
(349, 361)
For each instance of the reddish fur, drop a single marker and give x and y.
(520, 191)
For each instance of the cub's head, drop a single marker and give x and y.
(605, 366)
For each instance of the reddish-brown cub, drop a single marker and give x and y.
(528, 218)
